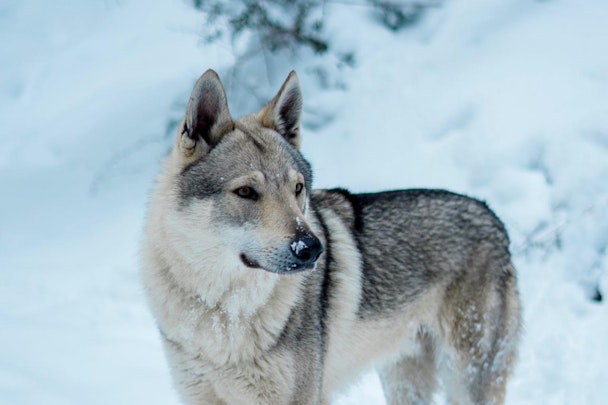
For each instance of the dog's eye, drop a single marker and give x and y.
(299, 188)
(246, 192)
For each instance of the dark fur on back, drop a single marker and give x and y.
(414, 237)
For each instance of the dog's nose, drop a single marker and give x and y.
(306, 248)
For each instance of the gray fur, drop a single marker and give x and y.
(417, 283)
(432, 235)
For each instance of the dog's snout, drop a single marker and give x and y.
(306, 248)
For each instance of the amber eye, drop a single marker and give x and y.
(246, 192)
(299, 188)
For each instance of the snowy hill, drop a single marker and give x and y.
(503, 100)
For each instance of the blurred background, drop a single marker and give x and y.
(502, 100)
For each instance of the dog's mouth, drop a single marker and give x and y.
(250, 263)
(290, 268)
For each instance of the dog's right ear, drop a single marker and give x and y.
(207, 117)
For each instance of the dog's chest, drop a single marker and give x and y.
(237, 327)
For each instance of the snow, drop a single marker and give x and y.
(500, 99)
(298, 246)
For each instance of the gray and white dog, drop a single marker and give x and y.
(267, 292)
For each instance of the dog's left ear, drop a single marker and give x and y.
(283, 112)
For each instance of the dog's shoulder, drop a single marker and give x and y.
(342, 203)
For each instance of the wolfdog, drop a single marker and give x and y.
(267, 292)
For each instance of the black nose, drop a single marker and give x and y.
(306, 248)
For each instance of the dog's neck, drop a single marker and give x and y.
(229, 316)
(239, 294)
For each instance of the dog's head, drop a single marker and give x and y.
(242, 187)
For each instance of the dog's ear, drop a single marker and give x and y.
(207, 117)
(283, 112)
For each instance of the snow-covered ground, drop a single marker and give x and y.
(505, 100)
